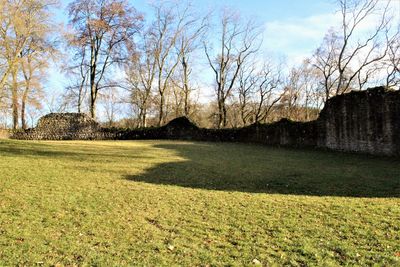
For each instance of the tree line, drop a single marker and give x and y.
(143, 71)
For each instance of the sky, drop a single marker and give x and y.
(293, 29)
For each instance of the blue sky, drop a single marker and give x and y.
(264, 9)
(293, 29)
(276, 15)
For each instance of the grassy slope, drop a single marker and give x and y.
(165, 203)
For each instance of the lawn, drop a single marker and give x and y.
(186, 203)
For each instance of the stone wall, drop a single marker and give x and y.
(63, 126)
(366, 121)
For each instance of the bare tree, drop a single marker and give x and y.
(267, 92)
(312, 96)
(325, 61)
(366, 51)
(159, 73)
(247, 81)
(54, 103)
(39, 51)
(76, 93)
(237, 42)
(111, 102)
(15, 29)
(32, 67)
(141, 71)
(166, 29)
(392, 62)
(348, 59)
(25, 28)
(103, 31)
(187, 44)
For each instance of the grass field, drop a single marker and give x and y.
(195, 204)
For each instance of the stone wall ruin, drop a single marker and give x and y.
(64, 126)
(365, 121)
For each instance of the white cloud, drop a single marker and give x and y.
(298, 37)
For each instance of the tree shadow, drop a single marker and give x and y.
(260, 169)
(30, 149)
(47, 150)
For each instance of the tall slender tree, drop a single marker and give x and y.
(103, 30)
(349, 58)
(141, 70)
(238, 40)
(25, 33)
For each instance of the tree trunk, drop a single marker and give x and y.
(187, 111)
(142, 117)
(14, 99)
(93, 89)
(224, 111)
(23, 116)
(185, 86)
(144, 121)
(243, 118)
(92, 109)
(93, 96)
(220, 116)
(23, 108)
(243, 114)
(161, 110)
(80, 96)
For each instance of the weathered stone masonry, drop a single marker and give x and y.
(64, 126)
(366, 121)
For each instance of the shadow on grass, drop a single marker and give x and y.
(81, 152)
(238, 167)
(31, 149)
(260, 169)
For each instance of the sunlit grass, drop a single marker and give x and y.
(181, 203)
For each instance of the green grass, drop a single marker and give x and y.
(181, 203)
